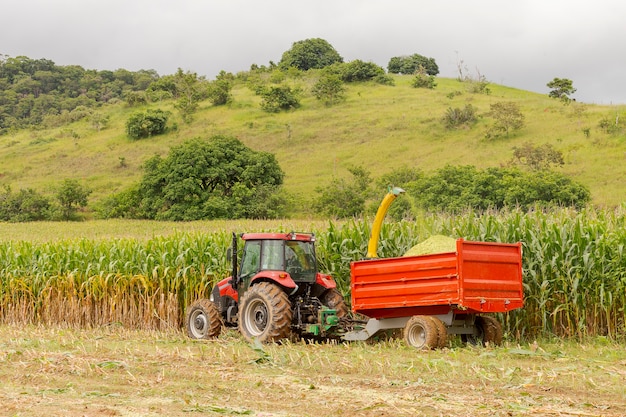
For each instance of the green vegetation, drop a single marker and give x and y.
(309, 54)
(378, 127)
(574, 268)
(409, 65)
(144, 125)
(562, 88)
(213, 179)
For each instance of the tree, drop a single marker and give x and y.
(144, 125)
(329, 89)
(411, 64)
(508, 117)
(25, 206)
(220, 89)
(562, 88)
(344, 198)
(72, 195)
(537, 157)
(280, 97)
(214, 178)
(189, 87)
(310, 54)
(456, 188)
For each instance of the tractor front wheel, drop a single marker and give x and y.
(203, 320)
(421, 333)
(265, 313)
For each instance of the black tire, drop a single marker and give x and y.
(265, 313)
(421, 333)
(203, 320)
(442, 332)
(488, 331)
(492, 329)
(333, 299)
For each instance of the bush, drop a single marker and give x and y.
(344, 198)
(411, 64)
(456, 117)
(423, 80)
(281, 97)
(24, 206)
(329, 89)
(358, 70)
(144, 125)
(455, 188)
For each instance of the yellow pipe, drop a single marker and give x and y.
(378, 220)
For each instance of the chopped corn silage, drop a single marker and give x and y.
(434, 244)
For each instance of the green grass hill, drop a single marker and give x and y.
(378, 127)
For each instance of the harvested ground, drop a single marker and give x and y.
(116, 372)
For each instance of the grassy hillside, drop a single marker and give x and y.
(378, 127)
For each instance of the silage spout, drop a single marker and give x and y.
(372, 246)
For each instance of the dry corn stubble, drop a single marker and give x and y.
(115, 371)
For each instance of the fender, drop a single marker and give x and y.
(226, 289)
(281, 278)
(325, 281)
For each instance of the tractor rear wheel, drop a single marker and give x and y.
(203, 320)
(421, 333)
(333, 299)
(265, 313)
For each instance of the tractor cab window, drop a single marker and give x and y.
(273, 255)
(300, 260)
(251, 257)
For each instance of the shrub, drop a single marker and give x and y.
(456, 117)
(280, 97)
(24, 206)
(423, 80)
(358, 70)
(144, 125)
(329, 89)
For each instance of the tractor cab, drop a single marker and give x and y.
(286, 253)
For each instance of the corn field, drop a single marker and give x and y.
(574, 270)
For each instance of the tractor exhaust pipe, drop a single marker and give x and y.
(233, 258)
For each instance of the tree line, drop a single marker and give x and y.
(219, 177)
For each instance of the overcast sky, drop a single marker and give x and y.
(522, 44)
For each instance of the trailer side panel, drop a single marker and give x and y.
(479, 277)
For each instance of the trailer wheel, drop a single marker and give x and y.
(203, 320)
(488, 329)
(492, 330)
(421, 333)
(333, 299)
(442, 332)
(265, 313)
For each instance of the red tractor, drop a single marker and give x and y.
(276, 293)
(279, 293)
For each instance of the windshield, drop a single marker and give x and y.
(300, 260)
(292, 256)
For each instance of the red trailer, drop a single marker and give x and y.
(431, 296)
